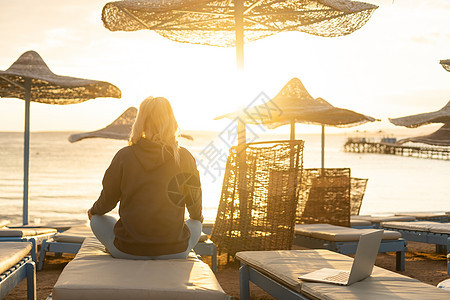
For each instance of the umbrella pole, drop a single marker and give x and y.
(26, 150)
(242, 139)
(323, 148)
(292, 130)
(239, 21)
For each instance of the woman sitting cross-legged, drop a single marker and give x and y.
(154, 180)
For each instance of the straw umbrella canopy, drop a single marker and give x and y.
(30, 79)
(228, 23)
(216, 22)
(119, 129)
(293, 104)
(440, 137)
(445, 64)
(413, 121)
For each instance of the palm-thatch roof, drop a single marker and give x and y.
(47, 87)
(440, 116)
(440, 137)
(294, 103)
(212, 22)
(119, 129)
(445, 64)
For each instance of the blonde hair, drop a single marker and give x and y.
(156, 122)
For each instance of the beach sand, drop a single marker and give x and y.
(422, 263)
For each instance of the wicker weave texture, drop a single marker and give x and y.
(47, 87)
(357, 191)
(258, 202)
(325, 197)
(213, 22)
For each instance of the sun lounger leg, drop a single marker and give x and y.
(400, 261)
(33, 249)
(214, 260)
(244, 282)
(31, 280)
(42, 255)
(448, 255)
(440, 249)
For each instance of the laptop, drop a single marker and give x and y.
(366, 254)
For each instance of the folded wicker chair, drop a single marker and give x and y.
(259, 197)
(325, 197)
(357, 191)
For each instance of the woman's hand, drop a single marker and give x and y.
(89, 214)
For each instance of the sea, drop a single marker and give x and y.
(65, 178)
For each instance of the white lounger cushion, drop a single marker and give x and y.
(374, 288)
(94, 274)
(75, 234)
(24, 232)
(285, 266)
(356, 222)
(422, 215)
(384, 219)
(339, 233)
(426, 226)
(11, 253)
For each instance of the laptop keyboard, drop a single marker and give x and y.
(339, 277)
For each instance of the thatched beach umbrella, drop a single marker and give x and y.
(445, 64)
(228, 23)
(440, 137)
(293, 104)
(413, 121)
(119, 129)
(30, 79)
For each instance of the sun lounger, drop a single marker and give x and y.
(277, 273)
(34, 235)
(424, 216)
(424, 232)
(70, 241)
(345, 240)
(94, 274)
(205, 247)
(360, 224)
(377, 220)
(15, 265)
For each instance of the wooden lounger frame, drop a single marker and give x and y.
(58, 247)
(274, 288)
(399, 246)
(25, 268)
(208, 248)
(35, 241)
(441, 240)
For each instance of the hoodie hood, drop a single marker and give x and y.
(150, 154)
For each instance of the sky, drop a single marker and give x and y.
(388, 68)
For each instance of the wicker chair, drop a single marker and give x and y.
(325, 197)
(258, 201)
(357, 190)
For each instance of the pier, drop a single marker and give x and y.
(388, 146)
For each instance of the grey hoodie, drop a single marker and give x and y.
(153, 191)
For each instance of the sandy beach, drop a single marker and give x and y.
(422, 263)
